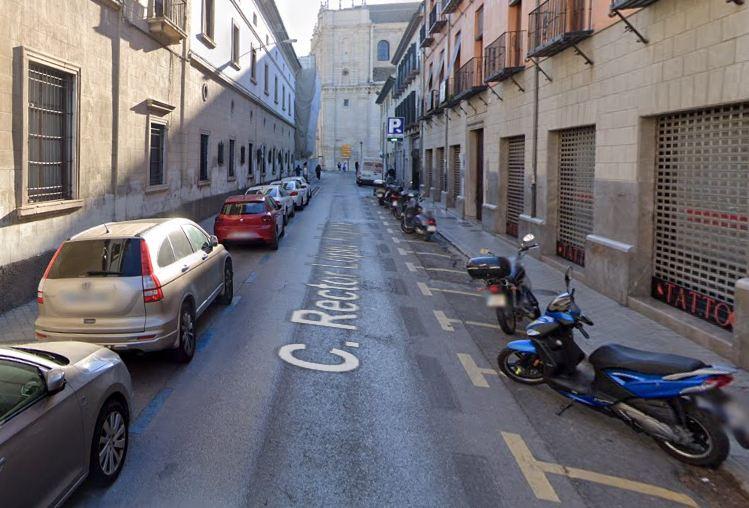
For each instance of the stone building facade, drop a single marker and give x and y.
(353, 48)
(120, 109)
(626, 152)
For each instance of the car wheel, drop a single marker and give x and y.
(227, 295)
(283, 231)
(274, 242)
(186, 348)
(109, 444)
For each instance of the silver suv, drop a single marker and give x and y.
(135, 285)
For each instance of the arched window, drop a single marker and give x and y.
(383, 51)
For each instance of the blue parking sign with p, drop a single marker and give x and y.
(395, 126)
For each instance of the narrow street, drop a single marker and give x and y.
(417, 416)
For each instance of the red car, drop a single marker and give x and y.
(252, 217)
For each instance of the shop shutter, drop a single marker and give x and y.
(577, 155)
(515, 179)
(455, 171)
(702, 210)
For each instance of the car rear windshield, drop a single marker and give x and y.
(243, 208)
(119, 257)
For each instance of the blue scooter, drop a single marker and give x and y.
(674, 399)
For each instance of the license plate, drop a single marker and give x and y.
(394, 203)
(499, 300)
(431, 229)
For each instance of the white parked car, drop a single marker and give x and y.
(295, 190)
(304, 188)
(279, 195)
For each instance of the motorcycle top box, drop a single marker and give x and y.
(489, 267)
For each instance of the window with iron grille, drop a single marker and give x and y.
(455, 163)
(220, 154)
(250, 168)
(577, 162)
(231, 159)
(241, 155)
(156, 155)
(203, 157)
(701, 216)
(50, 134)
(515, 164)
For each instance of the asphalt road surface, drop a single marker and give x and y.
(356, 368)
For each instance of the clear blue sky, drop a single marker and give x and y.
(300, 16)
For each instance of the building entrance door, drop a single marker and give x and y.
(479, 165)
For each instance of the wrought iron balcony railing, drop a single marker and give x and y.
(504, 56)
(630, 4)
(558, 24)
(425, 38)
(166, 19)
(469, 80)
(449, 6)
(436, 19)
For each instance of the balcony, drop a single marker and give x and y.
(436, 19)
(504, 57)
(449, 6)
(630, 4)
(166, 20)
(425, 39)
(556, 25)
(469, 80)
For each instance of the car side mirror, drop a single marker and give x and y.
(214, 241)
(54, 380)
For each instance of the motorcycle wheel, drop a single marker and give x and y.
(507, 319)
(519, 367)
(710, 440)
(405, 228)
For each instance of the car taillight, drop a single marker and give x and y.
(720, 381)
(151, 286)
(495, 289)
(267, 218)
(432, 222)
(40, 290)
(294, 193)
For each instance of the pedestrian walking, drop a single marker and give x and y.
(298, 170)
(318, 170)
(305, 171)
(339, 166)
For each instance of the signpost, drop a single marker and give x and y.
(395, 126)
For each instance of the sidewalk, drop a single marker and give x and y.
(615, 322)
(17, 324)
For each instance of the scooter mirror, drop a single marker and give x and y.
(528, 238)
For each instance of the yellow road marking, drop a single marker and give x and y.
(475, 373)
(535, 472)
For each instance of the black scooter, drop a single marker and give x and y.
(415, 220)
(509, 290)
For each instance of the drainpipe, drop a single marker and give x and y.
(446, 151)
(534, 156)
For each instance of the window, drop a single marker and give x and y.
(198, 239)
(22, 385)
(242, 156)
(345, 103)
(180, 244)
(267, 39)
(156, 154)
(479, 23)
(254, 18)
(383, 51)
(266, 79)
(220, 155)
(97, 258)
(166, 254)
(275, 89)
(253, 63)
(234, 44)
(51, 126)
(283, 97)
(204, 157)
(249, 162)
(251, 208)
(231, 159)
(208, 19)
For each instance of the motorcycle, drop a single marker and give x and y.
(399, 206)
(509, 291)
(415, 220)
(671, 398)
(392, 191)
(379, 191)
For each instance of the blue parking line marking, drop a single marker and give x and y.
(150, 411)
(264, 259)
(205, 340)
(235, 301)
(252, 278)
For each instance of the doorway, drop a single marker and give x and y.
(479, 165)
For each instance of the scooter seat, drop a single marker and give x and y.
(614, 356)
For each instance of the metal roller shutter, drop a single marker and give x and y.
(577, 162)
(515, 182)
(455, 171)
(428, 169)
(440, 170)
(702, 210)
